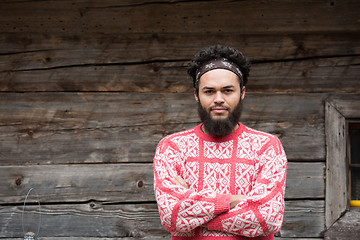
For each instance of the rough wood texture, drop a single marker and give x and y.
(337, 111)
(116, 127)
(67, 49)
(89, 87)
(308, 75)
(196, 16)
(347, 227)
(336, 174)
(302, 219)
(113, 183)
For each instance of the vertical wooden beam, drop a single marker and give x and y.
(336, 175)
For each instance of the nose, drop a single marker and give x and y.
(219, 99)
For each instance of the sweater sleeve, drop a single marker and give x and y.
(181, 209)
(261, 213)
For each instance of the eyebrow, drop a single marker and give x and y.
(227, 86)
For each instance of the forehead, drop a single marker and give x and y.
(218, 78)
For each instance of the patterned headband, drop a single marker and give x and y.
(218, 63)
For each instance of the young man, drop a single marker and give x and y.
(221, 179)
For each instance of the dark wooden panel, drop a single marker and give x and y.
(347, 105)
(133, 221)
(77, 221)
(305, 180)
(124, 127)
(167, 237)
(34, 144)
(338, 74)
(29, 51)
(122, 182)
(190, 16)
(303, 219)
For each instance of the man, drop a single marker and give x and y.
(221, 179)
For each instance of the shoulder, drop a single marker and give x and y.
(179, 137)
(265, 139)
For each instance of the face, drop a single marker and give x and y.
(220, 99)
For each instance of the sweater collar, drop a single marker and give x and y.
(210, 138)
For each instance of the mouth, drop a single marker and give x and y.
(218, 110)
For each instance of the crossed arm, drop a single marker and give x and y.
(182, 209)
(234, 199)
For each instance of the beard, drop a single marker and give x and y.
(220, 127)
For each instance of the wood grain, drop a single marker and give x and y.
(196, 16)
(126, 127)
(128, 183)
(138, 221)
(308, 75)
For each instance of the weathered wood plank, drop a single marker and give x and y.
(347, 227)
(82, 220)
(61, 111)
(167, 16)
(23, 51)
(112, 127)
(303, 219)
(77, 221)
(33, 144)
(336, 164)
(313, 75)
(167, 237)
(309, 174)
(122, 182)
(346, 104)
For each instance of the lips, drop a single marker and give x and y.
(219, 110)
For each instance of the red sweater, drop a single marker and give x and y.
(246, 162)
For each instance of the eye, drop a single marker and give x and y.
(208, 91)
(228, 90)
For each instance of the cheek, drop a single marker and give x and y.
(205, 101)
(233, 102)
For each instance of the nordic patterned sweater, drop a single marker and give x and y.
(246, 162)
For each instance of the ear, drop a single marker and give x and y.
(243, 93)
(195, 95)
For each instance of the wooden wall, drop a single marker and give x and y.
(89, 87)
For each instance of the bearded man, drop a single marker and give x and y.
(221, 179)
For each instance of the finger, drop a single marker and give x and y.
(181, 181)
(174, 181)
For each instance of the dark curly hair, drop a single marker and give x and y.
(219, 51)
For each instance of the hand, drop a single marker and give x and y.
(180, 182)
(235, 199)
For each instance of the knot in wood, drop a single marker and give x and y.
(18, 181)
(140, 184)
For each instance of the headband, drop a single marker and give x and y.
(218, 63)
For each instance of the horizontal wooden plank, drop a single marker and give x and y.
(312, 75)
(182, 16)
(122, 182)
(124, 127)
(347, 105)
(303, 219)
(131, 221)
(305, 180)
(23, 51)
(167, 237)
(33, 144)
(97, 221)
